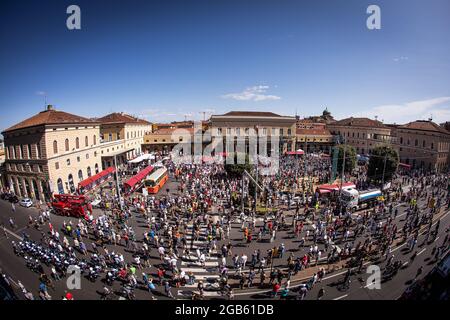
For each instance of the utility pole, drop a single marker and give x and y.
(343, 170)
(305, 166)
(117, 183)
(257, 165)
(243, 193)
(384, 170)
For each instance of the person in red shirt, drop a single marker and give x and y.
(275, 289)
(69, 296)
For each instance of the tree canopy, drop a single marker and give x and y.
(377, 164)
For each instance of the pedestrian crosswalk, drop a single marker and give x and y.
(206, 272)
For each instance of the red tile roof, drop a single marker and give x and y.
(121, 117)
(51, 116)
(250, 114)
(314, 132)
(359, 122)
(170, 131)
(425, 126)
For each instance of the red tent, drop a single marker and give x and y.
(295, 153)
(131, 183)
(326, 188)
(404, 165)
(97, 179)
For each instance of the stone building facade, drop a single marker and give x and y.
(51, 152)
(362, 133)
(240, 125)
(423, 145)
(121, 136)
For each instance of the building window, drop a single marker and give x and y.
(68, 162)
(38, 151)
(247, 130)
(228, 131)
(55, 147)
(87, 155)
(78, 159)
(60, 186)
(41, 169)
(281, 132)
(95, 139)
(29, 151)
(86, 141)
(423, 144)
(432, 146)
(21, 152)
(110, 137)
(56, 165)
(416, 142)
(12, 152)
(80, 175)
(289, 132)
(71, 184)
(401, 140)
(77, 143)
(118, 135)
(96, 168)
(67, 145)
(89, 173)
(238, 131)
(219, 131)
(95, 153)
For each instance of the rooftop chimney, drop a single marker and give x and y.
(50, 107)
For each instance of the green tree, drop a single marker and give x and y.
(350, 159)
(377, 164)
(235, 169)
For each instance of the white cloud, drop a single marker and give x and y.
(255, 93)
(438, 108)
(402, 58)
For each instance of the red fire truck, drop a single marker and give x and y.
(71, 206)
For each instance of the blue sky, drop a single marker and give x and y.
(167, 60)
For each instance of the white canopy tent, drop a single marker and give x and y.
(143, 157)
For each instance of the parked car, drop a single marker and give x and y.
(26, 202)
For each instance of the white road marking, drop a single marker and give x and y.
(341, 297)
(13, 234)
(196, 263)
(189, 269)
(422, 251)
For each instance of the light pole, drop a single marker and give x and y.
(117, 183)
(384, 170)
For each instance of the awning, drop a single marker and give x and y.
(116, 153)
(131, 183)
(404, 165)
(142, 158)
(97, 178)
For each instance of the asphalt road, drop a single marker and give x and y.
(15, 266)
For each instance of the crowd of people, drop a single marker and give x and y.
(141, 242)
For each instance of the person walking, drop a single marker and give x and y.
(321, 294)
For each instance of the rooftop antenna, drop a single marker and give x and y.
(204, 115)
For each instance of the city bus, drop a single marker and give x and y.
(156, 180)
